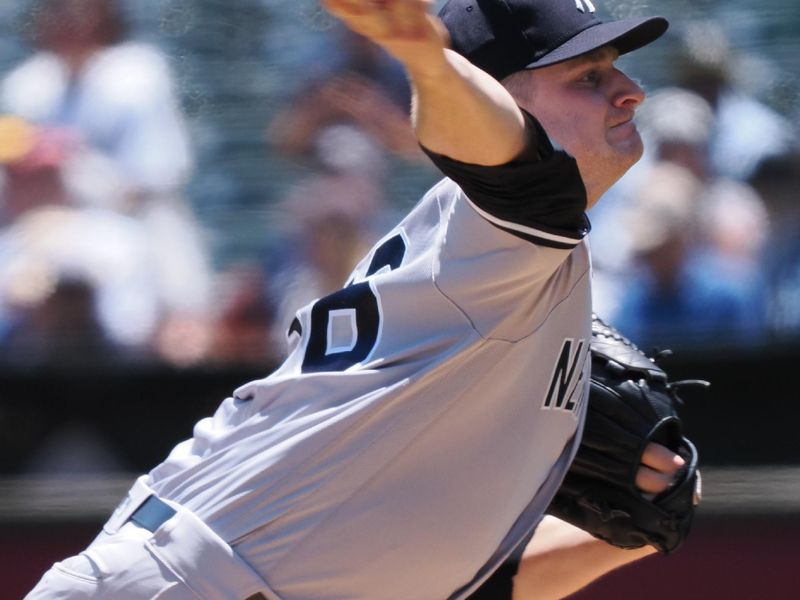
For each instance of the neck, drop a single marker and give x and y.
(595, 189)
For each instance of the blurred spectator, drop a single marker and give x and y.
(31, 167)
(735, 230)
(342, 51)
(733, 222)
(735, 225)
(675, 125)
(109, 100)
(62, 329)
(778, 181)
(745, 130)
(329, 225)
(75, 285)
(242, 327)
(96, 125)
(346, 99)
(353, 84)
(349, 122)
(730, 219)
(679, 294)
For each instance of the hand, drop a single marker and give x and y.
(404, 28)
(658, 469)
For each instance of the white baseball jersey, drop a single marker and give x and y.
(427, 411)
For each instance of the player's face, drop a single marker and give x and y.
(587, 105)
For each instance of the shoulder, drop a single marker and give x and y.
(131, 71)
(34, 85)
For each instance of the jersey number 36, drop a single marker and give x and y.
(345, 325)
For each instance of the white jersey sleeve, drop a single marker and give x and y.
(419, 427)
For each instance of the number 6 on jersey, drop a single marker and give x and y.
(344, 325)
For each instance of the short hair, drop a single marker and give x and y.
(517, 84)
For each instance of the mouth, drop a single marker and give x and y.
(624, 128)
(624, 132)
(628, 120)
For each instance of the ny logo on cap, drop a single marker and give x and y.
(584, 5)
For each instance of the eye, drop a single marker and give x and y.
(590, 78)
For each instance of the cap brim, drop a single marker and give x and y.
(625, 36)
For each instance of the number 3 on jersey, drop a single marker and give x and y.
(344, 325)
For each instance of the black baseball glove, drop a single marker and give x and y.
(631, 403)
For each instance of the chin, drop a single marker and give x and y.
(626, 142)
(629, 156)
(638, 149)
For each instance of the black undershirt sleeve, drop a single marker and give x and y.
(539, 196)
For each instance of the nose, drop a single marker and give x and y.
(628, 93)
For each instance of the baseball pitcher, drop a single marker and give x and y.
(429, 410)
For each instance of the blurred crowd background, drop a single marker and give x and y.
(178, 177)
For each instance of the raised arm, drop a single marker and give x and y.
(458, 110)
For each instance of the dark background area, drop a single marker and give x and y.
(747, 417)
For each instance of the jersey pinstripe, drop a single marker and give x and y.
(427, 410)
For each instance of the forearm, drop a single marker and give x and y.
(562, 559)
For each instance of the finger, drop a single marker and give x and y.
(662, 459)
(651, 481)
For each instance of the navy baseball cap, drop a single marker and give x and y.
(504, 36)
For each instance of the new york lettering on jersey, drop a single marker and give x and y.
(567, 375)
